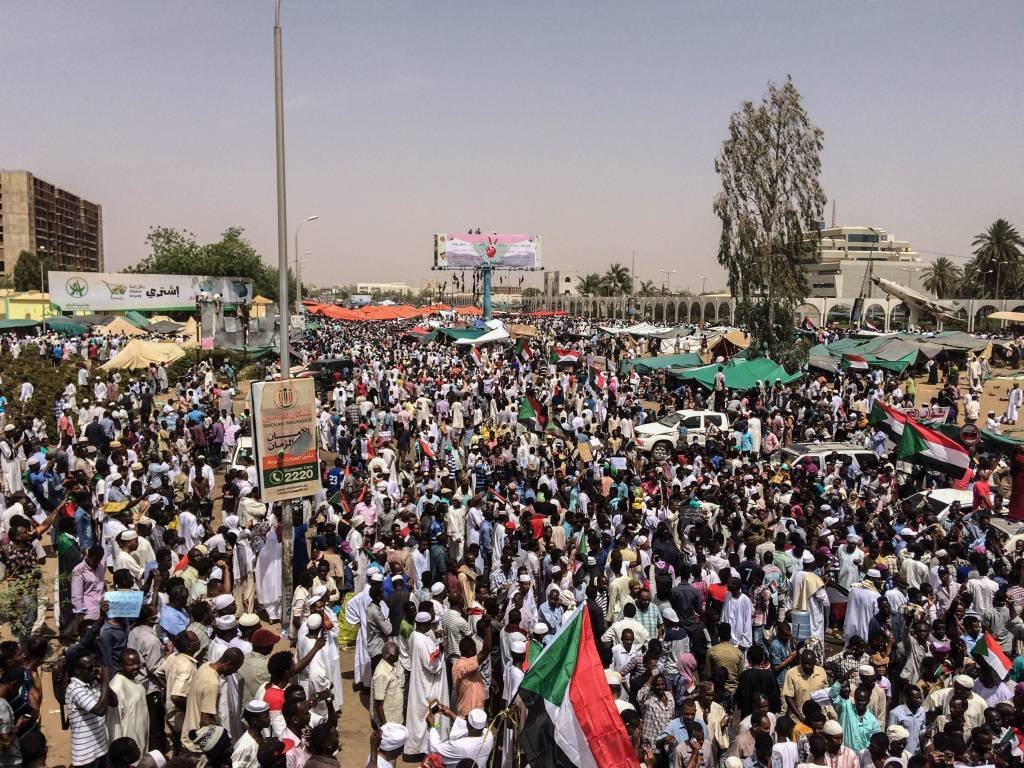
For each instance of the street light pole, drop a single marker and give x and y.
(668, 279)
(287, 533)
(41, 292)
(703, 284)
(298, 268)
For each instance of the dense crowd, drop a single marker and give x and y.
(752, 605)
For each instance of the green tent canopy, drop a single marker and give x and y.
(65, 325)
(462, 333)
(136, 319)
(739, 373)
(889, 353)
(646, 364)
(11, 325)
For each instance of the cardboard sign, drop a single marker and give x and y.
(124, 604)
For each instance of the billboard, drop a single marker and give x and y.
(102, 291)
(457, 251)
(284, 424)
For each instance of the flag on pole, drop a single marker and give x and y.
(807, 325)
(921, 445)
(887, 419)
(523, 351)
(564, 355)
(571, 716)
(869, 325)
(598, 381)
(531, 414)
(427, 450)
(987, 651)
(855, 362)
(1014, 739)
(475, 354)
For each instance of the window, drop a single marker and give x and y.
(692, 422)
(861, 239)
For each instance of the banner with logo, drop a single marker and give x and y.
(104, 291)
(457, 251)
(284, 424)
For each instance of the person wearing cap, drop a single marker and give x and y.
(850, 557)
(256, 716)
(255, 672)
(469, 737)
(428, 681)
(862, 605)
(127, 544)
(387, 745)
(909, 717)
(323, 673)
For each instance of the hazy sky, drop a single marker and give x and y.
(593, 123)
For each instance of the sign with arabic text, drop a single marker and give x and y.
(927, 412)
(104, 291)
(284, 415)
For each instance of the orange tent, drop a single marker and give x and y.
(475, 311)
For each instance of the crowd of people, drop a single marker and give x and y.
(749, 610)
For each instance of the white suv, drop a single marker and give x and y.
(659, 438)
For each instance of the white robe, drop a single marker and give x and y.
(861, 607)
(269, 576)
(738, 612)
(355, 614)
(427, 681)
(131, 715)
(324, 671)
(849, 567)
(10, 467)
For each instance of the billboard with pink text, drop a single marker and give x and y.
(458, 251)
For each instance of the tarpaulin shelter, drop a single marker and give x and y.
(165, 327)
(728, 343)
(63, 324)
(15, 325)
(739, 373)
(457, 334)
(137, 319)
(119, 327)
(139, 353)
(190, 334)
(494, 331)
(520, 331)
(888, 353)
(646, 364)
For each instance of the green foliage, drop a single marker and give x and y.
(47, 380)
(617, 280)
(591, 284)
(26, 272)
(16, 591)
(531, 291)
(943, 278)
(998, 263)
(177, 252)
(770, 207)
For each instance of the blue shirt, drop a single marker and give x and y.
(857, 729)
(172, 621)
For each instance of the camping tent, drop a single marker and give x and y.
(891, 354)
(728, 343)
(119, 327)
(740, 373)
(165, 327)
(63, 324)
(646, 364)
(138, 353)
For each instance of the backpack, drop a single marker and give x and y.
(662, 582)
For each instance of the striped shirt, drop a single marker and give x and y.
(88, 731)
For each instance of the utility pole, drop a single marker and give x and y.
(41, 292)
(287, 534)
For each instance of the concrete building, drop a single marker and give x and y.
(558, 283)
(38, 217)
(379, 288)
(845, 254)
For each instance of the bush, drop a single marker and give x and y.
(47, 380)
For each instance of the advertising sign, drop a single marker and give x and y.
(102, 291)
(458, 251)
(284, 416)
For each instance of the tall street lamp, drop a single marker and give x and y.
(298, 267)
(668, 279)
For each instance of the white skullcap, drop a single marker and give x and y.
(733, 762)
(897, 732)
(540, 628)
(248, 620)
(826, 508)
(874, 573)
(256, 706)
(377, 577)
(423, 617)
(129, 536)
(964, 681)
(524, 579)
(226, 622)
(220, 602)
(231, 521)
(612, 677)
(318, 594)
(314, 621)
(807, 557)
(378, 547)
(518, 646)
(829, 521)
(392, 736)
(476, 718)
(853, 538)
(866, 669)
(556, 569)
(436, 588)
(668, 613)
(833, 728)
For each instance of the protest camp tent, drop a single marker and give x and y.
(136, 318)
(740, 374)
(165, 327)
(119, 327)
(728, 343)
(647, 364)
(63, 324)
(886, 352)
(139, 353)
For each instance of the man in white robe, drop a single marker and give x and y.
(427, 682)
(355, 542)
(862, 605)
(809, 595)
(131, 715)
(355, 614)
(324, 670)
(1014, 400)
(850, 558)
(269, 574)
(738, 613)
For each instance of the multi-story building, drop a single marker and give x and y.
(383, 288)
(846, 256)
(41, 218)
(560, 283)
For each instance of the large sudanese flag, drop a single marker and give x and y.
(532, 414)
(571, 716)
(921, 445)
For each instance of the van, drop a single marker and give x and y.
(804, 454)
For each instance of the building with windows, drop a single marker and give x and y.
(847, 257)
(382, 288)
(560, 283)
(41, 218)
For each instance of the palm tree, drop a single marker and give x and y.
(618, 280)
(647, 288)
(942, 278)
(998, 256)
(591, 284)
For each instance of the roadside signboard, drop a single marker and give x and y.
(970, 434)
(469, 251)
(104, 291)
(284, 416)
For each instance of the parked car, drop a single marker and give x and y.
(243, 449)
(803, 454)
(659, 438)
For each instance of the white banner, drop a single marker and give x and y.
(102, 291)
(927, 412)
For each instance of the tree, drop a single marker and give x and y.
(617, 280)
(176, 252)
(26, 271)
(770, 207)
(647, 288)
(590, 284)
(531, 291)
(943, 278)
(998, 258)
